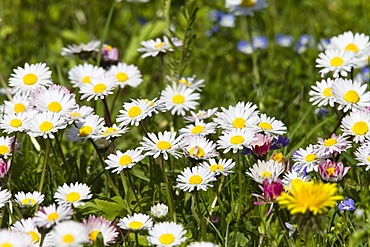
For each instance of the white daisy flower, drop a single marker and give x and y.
(191, 82)
(90, 127)
(99, 87)
(159, 210)
(69, 234)
(293, 176)
(357, 124)
(179, 99)
(198, 128)
(245, 7)
(362, 155)
(92, 46)
(200, 115)
(336, 61)
(28, 226)
(198, 147)
(29, 198)
(82, 74)
(126, 75)
(113, 131)
(196, 178)
(14, 238)
(269, 125)
(334, 144)
(48, 240)
(306, 158)
(133, 112)
(321, 94)
(165, 143)
(154, 47)
(136, 222)
(11, 123)
(223, 166)
(26, 79)
(6, 146)
(96, 225)
(235, 139)
(73, 194)
(81, 113)
(202, 244)
(4, 197)
(350, 95)
(45, 124)
(241, 116)
(52, 214)
(270, 170)
(167, 234)
(126, 160)
(18, 104)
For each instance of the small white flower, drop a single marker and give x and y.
(29, 198)
(270, 170)
(136, 222)
(18, 104)
(126, 75)
(336, 61)
(362, 155)
(198, 128)
(45, 124)
(113, 131)
(28, 226)
(196, 178)
(167, 234)
(154, 47)
(293, 176)
(69, 234)
(198, 147)
(100, 87)
(92, 46)
(269, 125)
(166, 143)
(200, 115)
(321, 94)
(90, 127)
(334, 144)
(202, 244)
(74, 194)
(126, 160)
(357, 124)
(133, 112)
(4, 197)
(14, 238)
(159, 210)
(223, 166)
(6, 144)
(52, 214)
(235, 139)
(95, 225)
(306, 158)
(82, 74)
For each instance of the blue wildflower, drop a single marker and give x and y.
(347, 205)
(279, 142)
(284, 40)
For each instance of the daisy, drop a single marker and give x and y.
(202, 244)
(221, 167)
(18, 104)
(200, 115)
(179, 99)
(310, 196)
(29, 198)
(357, 124)
(4, 197)
(165, 143)
(4, 169)
(334, 144)
(167, 234)
(28, 226)
(95, 225)
(26, 79)
(198, 147)
(293, 176)
(82, 74)
(336, 61)
(154, 47)
(100, 87)
(263, 170)
(196, 178)
(159, 210)
(82, 49)
(11, 123)
(306, 158)
(133, 112)
(245, 7)
(261, 145)
(198, 128)
(80, 113)
(69, 234)
(73, 194)
(126, 75)
(52, 214)
(235, 139)
(321, 94)
(269, 125)
(6, 144)
(241, 116)
(136, 222)
(45, 124)
(190, 82)
(113, 131)
(126, 160)
(362, 155)
(14, 238)
(90, 127)
(332, 171)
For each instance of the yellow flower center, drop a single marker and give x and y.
(330, 142)
(265, 125)
(125, 160)
(178, 99)
(85, 131)
(15, 122)
(4, 149)
(195, 179)
(68, 239)
(248, 3)
(368, 158)
(7, 244)
(46, 126)
(159, 45)
(75, 114)
(164, 145)
(54, 107)
(330, 171)
(134, 112)
(29, 79)
(19, 107)
(327, 92)
(99, 88)
(336, 61)
(360, 128)
(109, 131)
(310, 157)
(35, 236)
(278, 157)
(266, 174)
(135, 225)
(53, 216)
(351, 96)
(351, 47)
(86, 79)
(197, 129)
(94, 234)
(236, 140)
(216, 168)
(28, 201)
(185, 82)
(239, 123)
(166, 238)
(199, 150)
(121, 77)
(73, 196)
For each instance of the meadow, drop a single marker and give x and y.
(184, 123)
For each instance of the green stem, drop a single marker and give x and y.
(240, 178)
(168, 192)
(47, 148)
(137, 239)
(59, 144)
(107, 116)
(125, 188)
(133, 190)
